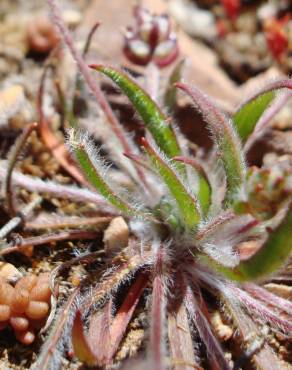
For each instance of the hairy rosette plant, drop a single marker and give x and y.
(200, 237)
(188, 219)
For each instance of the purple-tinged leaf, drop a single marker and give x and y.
(82, 348)
(255, 347)
(158, 307)
(126, 311)
(106, 333)
(180, 341)
(203, 326)
(111, 281)
(269, 298)
(264, 313)
(58, 190)
(215, 223)
(99, 334)
(140, 161)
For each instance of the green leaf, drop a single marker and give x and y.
(92, 167)
(246, 118)
(154, 119)
(248, 114)
(226, 139)
(186, 203)
(205, 190)
(270, 257)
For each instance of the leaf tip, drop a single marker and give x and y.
(96, 66)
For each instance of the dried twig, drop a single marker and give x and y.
(14, 222)
(46, 221)
(12, 159)
(48, 238)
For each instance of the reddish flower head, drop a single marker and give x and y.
(151, 39)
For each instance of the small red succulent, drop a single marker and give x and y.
(276, 36)
(232, 8)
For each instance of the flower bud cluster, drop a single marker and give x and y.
(25, 306)
(268, 187)
(151, 39)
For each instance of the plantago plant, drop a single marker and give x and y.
(191, 223)
(188, 226)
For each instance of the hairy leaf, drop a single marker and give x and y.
(158, 313)
(246, 118)
(199, 317)
(270, 257)
(154, 119)
(225, 138)
(126, 311)
(249, 112)
(91, 165)
(187, 204)
(204, 192)
(180, 340)
(256, 347)
(87, 157)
